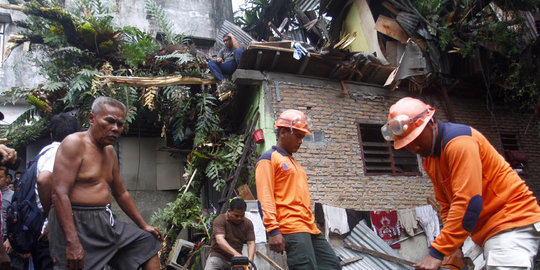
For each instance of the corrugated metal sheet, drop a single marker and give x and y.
(228, 27)
(307, 5)
(362, 235)
(408, 22)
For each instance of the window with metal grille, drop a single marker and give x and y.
(379, 157)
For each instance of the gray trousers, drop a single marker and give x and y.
(217, 263)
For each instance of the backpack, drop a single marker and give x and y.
(23, 217)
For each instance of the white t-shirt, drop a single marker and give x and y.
(46, 163)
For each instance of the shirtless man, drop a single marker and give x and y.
(83, 232)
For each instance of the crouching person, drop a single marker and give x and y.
(83, 232)
(230, 231)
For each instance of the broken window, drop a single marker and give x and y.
(513, 152)
(379, 157)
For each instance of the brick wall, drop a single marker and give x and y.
(334, 166)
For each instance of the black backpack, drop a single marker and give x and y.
(23, 218)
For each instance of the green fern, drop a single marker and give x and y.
(136, 45)
(157, 13)
(183, 58)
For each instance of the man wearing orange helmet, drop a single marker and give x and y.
(283, 191)
(479, 193)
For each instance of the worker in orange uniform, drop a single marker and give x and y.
(479, 193)
(283, 191)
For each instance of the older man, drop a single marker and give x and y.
(83, 232)
(480, 195)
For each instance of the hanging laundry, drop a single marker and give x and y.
(429, 220)
(319, 215)
(354, 217)
(335, 220)
(407, 219)
(386, 225)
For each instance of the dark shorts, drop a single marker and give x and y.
(122, 245)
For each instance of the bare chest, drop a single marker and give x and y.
(96, 167)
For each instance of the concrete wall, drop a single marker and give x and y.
(200, 19)
(151, 176)
(334, 166)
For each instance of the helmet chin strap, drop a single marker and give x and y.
(433, 139)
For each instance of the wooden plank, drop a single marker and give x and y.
(345, 91)
(378, 254)
(245, 192)
(245, 153)
(259, 60)
(275, 60)
(266, 258)
(351, 260)
(391, 28)
(390, 7)
(304, 64)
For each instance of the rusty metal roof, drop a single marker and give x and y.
(363, 236)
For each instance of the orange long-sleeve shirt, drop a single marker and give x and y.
(479, 192)
(283, 191)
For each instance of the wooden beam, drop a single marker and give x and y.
(266, 258)
(345, 91)
(391, 28)
(304, 64)
(156, 81)
(275, 60)
(378, 254)
(259, 60)
(390, 7)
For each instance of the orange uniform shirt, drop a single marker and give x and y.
(283, 191)
(479, 192)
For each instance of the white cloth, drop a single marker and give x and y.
(513, 249)
(429, 220)
(258, 226)
(407, 219)
(45, 163)
(335, 220)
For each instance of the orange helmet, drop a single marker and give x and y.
(407, 119)
(293, 119)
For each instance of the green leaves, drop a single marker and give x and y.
(136, 45)
(157, 13)
(208, 120)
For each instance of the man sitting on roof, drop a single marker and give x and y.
(228, 58)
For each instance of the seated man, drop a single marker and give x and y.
(231, 231)
(228, 58)
(83, 231)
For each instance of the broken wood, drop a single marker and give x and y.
(156, 81)
(345, 91)
(245, 192)
(378, 254)
(390, 7)
(351, 260)
(391, 28)
(228, 191)
(270, 261)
